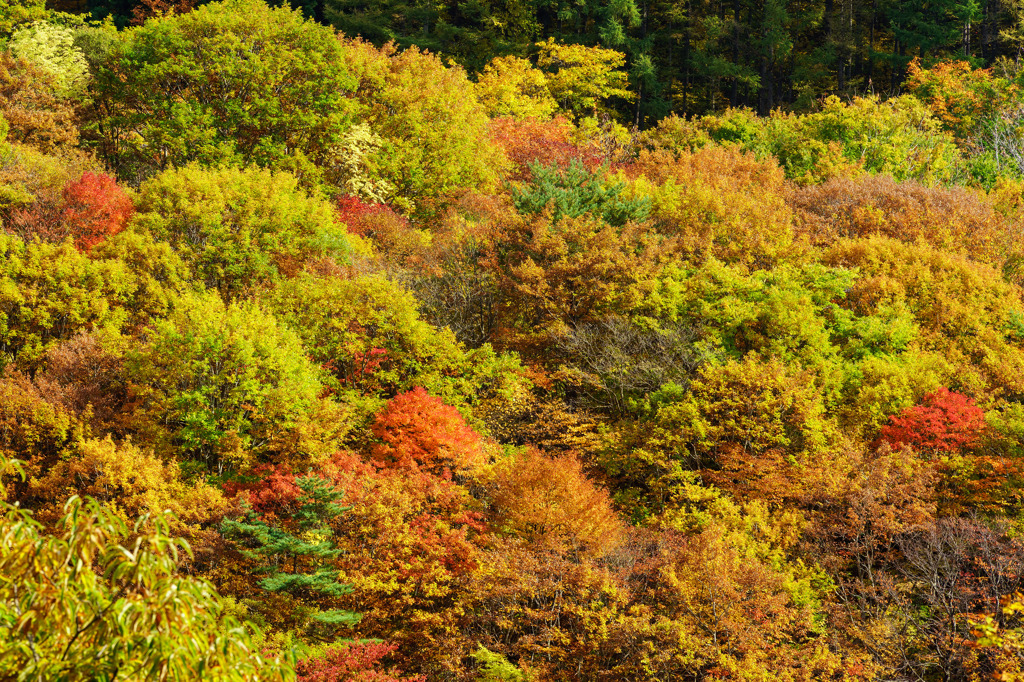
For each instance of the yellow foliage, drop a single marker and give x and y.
(511, 86)
(130, 482)
(583, 78)
(720, 202)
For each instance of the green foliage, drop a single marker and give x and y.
(367, 332)
(898, 137)
(240, 229)
(722, 325)
(307, 541)
(132, 615)
(576, 191)
(963, 309)
(226, 384)
(250, 84)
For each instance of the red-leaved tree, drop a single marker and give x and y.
(417, 430)
(95, 208)
(943, 421)
(353, 662)
(90, 209)
(527, 141)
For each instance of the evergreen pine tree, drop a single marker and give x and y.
(299, 563)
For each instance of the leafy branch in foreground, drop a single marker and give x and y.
(81, 605)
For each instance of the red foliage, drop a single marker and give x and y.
(364, 366)
(418, 430)
(90, 210)
(396, 240)
(353, 662)
(366, 219)
(944, 421)
(526, 141)
(410, 542)
(355, 212)
(95, 208)
(155, 8)
(274, 493)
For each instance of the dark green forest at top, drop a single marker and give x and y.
(476, 343)
(685, 56)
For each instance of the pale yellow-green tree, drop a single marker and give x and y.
(582, 79)
(511, 86)
(80, 605)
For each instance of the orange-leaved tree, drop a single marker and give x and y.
(418, 431)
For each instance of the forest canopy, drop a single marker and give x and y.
(398, 341)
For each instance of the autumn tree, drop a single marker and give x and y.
(36, 114)
(582, 79)
(955, 219)
(549, 502)
(130, 482)
(432, 127)
(553, 614)
(98, 293)
(353, 661)
(240, 228)
(253, 85)
(943, 421)
(718, 202)
(409, 544)
(545, 143)
(417, 430)
(557, 274)
(52, 49)
(91, 209)
(510, 86)
(34, 431)
(368, 335)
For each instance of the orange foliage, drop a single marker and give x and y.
(418, 431)
(527, 141)
(91, 209)
(32, 430)
(155, 8)
(956, 219)
(718, 202)
(396, 240)
(877, 495)
(547, 611)
(130, 482)
(410, 548)
(549, 502)
(95, 208)
(88, 380)
(37, 117)
(352, 662)
(958, 95)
